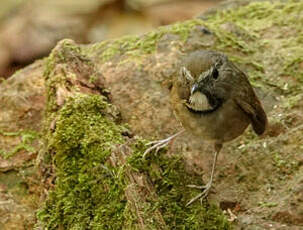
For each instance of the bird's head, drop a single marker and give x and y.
(206, 82)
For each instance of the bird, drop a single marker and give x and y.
(214, 101)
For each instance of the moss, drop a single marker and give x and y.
(27, 138)
(81, 134)
(267, 204)
(88, 193)
(170, 177)
(135, 46)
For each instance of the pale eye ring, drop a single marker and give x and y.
(186, 74)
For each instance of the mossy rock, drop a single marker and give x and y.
(102, 180)
(94, 190)
(89, 190)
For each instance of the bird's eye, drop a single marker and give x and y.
(215, 73)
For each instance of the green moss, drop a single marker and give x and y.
(135, 46)
(267, 204)
(27, 138)
(169, 177)
(88, 193)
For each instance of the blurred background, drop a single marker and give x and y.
(29, 29)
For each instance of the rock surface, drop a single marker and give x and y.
(30, 29)
(259, 181)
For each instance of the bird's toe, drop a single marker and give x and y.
(206, 188)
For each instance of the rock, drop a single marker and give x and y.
(134, 74)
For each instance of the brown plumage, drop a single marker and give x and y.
(214, 101)
(222, 102)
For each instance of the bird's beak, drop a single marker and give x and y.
(194, 88)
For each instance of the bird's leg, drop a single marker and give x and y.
(206, 188)
(161, 143)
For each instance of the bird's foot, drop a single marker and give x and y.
(157, 145)
(202, 195)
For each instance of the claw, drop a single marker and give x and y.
(202, 187)
(160, 144)
(201, 195)
(156, 145)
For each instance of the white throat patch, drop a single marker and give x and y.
(198, 101)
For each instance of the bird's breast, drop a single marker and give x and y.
(224, 124)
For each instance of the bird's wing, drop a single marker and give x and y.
(256, 114)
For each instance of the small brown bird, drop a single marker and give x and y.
(214, 101)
